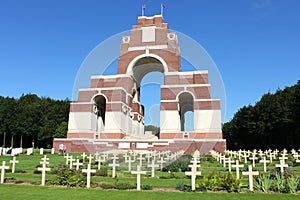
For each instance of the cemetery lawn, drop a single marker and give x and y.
(29, 192)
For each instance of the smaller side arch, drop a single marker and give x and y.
(185, 101)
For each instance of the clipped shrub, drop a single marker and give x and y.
(288, 172)
(146, 187)
(102, 172)
(9, 180)
(180, 186)
(20, 171)
(37, 171)
(124, 186)
(106, 186)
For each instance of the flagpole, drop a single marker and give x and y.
(142, 10)
(161, 9)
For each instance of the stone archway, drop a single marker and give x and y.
(99, 110)
(185, 104)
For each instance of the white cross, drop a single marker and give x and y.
(99, 160)
(272, 156)
(138, 173)
(148, 156)
(153, 165)
(90, 157)
(264, 161)
(229, 161)
(193, 173)
(13, 162)
(125, 155)
(250, 174)
(44, 160)
(296, 156)
(67, 159)
(161, 161)
(103, 156)
(282, 165)
(77, 164)
(283, 158)
(3, 168)
(129, 161)
(245, 157)
(221, 159)
(114, 165)
(43, 170)
(71, 159)
(237, 167)
(83, 155)
(141, 159)
(253, 158)
(261, 153)
(97, 155)
(88, 172)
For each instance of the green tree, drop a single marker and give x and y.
(61, 130)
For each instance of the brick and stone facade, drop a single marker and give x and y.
(110, 110)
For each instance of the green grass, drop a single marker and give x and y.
(161, 180)
(11, 192)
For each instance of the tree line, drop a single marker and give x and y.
(273, 122)
(32, 120)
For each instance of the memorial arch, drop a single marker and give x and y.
(110, 109)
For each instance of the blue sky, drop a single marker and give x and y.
(254, 43)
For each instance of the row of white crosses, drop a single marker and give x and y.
(4, 167)
(128, 159)
(237, 165)
(246, 154)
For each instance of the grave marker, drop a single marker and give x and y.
(193, 173)
(71, 159)
(13, 162)
(264, 161)
(43, 169)
(228, 161)
(141, 158)
(161, 161)
(253, 158)
(83, 155)
(282, 165)
(88, 172)
(90, 157)
(77, 164)
(114, 165)
(250, 174)
(29, 151)
(3, 168)
(153, 165)
(138, 173)
(129, 161)
(237, 166)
